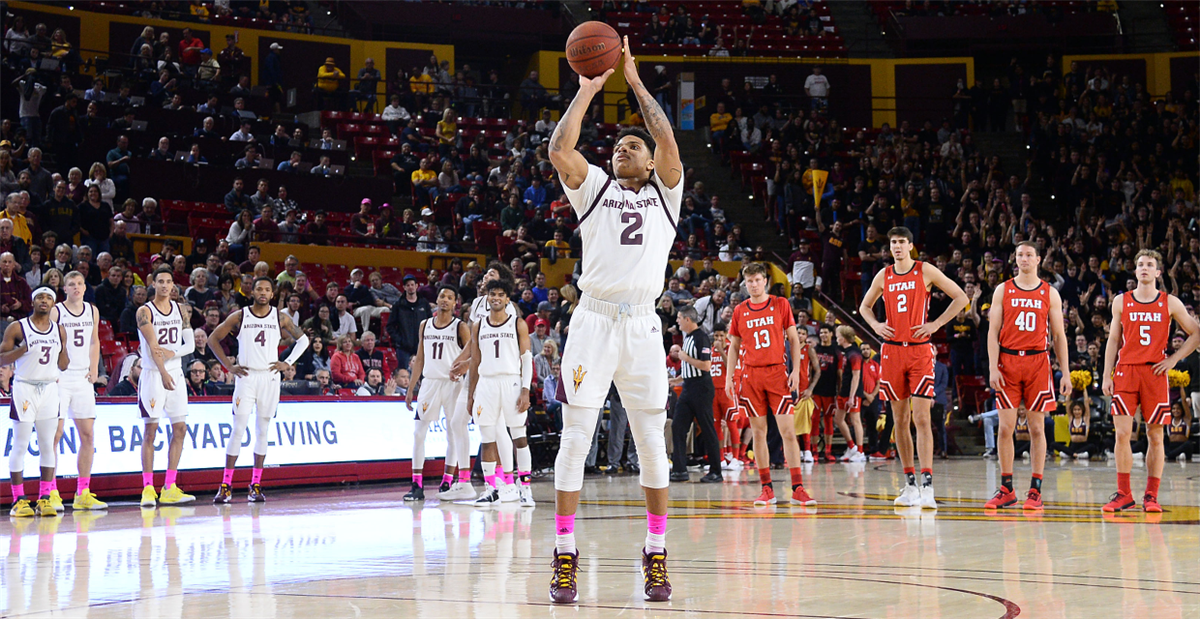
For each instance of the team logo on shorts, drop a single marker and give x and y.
(479, 411)
(25, 406)
(425, 407)
(152, 402)
(236, 402)
(577, 375)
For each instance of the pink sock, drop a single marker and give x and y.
(500, 472)
(418, 480)
(464, 476)
(17, 491)
(656, 524)
(82, 483)
(564, 525)
(447, 479)
(227, 477)
(170, 480)
(524, 477)
(44, 488)
(54, 484)
(508, 478)
(256, 475)
(148, 479)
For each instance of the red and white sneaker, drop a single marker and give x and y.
(1150, 504)
(1119, 502)
(1003, 498)
(766, 498)
(1033, 500)
(800, 497)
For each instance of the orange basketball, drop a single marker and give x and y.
(593, 48)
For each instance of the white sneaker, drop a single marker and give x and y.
(458, 491)
(1083, 455)
(927, 501)
(807, 457)
(527, 497)
(509, 493)
(488, 498)
(731, 465)
(726, 464)
(910, 497)
(1137, 455)
(1181, 458)
(1025, 456)
(858, 457)
(848, 456)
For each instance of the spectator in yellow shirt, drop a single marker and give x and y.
(421, 85)
(447, 132)
(718, 122)
(557, 247)
(424, 180)
(329, 78)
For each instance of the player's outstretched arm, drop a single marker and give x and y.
(10, 351)
(995, 321)
(735, 350)
(666, 152)
(1188, 324)
(1114, 344)
(418, 366)
(958, 300)
(475, 358)
(571, 165)
(866, 308)
(1058, 333)
(64, 358)
(214, 343)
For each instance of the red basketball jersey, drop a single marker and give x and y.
(1026, 317)
(717, 369)
(906, 300)
(801, 361)
(761, 329)
(1145, 330)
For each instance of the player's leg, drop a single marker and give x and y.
(856, 423)
(22, 434)
(504, 447)
(902, 410)
(762, 458)
(461, 420)
(491, 459)
(647, 427)
(921, 416)
(47, 457)
(149, 436)
(267, 403)
(243, 407)
(1037, 454)
(840, 410)
(1155, 397)
(516, 422)
(1005, 495)
(427, 413)
(1155, 459)
(1123, 453)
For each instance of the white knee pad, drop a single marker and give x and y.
(516, 432)
(487, 434)
(22, 432)
(46, 428)
(505, 446)
(262, 429)
(648, 428)
(240, 422)
(574, 443)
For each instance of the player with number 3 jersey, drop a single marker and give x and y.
(906, 371)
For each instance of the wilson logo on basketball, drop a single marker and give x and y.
(580, 50)
(577, 375)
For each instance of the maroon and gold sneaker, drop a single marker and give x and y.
(563, 587)
(224, 494)
(1119, 501)
(256, 494)
(1003, 498)
(654, 570)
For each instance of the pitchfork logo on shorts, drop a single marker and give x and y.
(236, 402)
(425, 407)
(25, 405)
(577, 375)
(152, 402)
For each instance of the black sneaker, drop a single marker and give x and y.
(563, 589)
(612, 470)
(654, 570)
(712, 478)
(679, 477)
(416, 494)
(489, 497)
(445, 487)
(224, 494)
(256, 494)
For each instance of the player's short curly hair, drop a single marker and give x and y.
(499, 284)
(640, 134)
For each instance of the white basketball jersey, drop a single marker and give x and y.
(168, 330)
(39, 364)
(627, 236)
(441, 348)
(499, 349)
(258, 340)
(79, 330)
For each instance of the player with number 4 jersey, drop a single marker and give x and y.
(1025, 312)
(906, 370)
(1135, 373)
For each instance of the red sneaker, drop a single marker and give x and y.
(1119, 502)
(1003, 498)
(1033, 500)
(891, 454)
(766, 498)
(800, 497)
(1150, 504)
(828, 457)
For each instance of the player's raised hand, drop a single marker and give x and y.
(997, 381)
(595, 84)
(631, 72)
(883, 330)
(1106, 386)
(925, 331)
(1065, 387)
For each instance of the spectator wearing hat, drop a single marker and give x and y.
(316, 232)
(209, 70)
(232, 58)
(272, 73)
(362, 223)
(329, 79)
(404, 322)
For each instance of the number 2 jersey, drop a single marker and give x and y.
(907, 300)
(762, 329)
(1145, 330)
(168, 332)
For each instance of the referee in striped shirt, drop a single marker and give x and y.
(696, 399)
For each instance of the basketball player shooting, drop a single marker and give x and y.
(628, 225)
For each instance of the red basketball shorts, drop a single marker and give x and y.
(764, 391)
(1137, 385)
(1028, 380)
(906, 372)
(850, 404)
(723, 408)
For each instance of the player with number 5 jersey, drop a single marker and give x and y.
(1025, 311)
(1135, 373)
(906, 371)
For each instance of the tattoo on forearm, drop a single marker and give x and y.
(656, 119)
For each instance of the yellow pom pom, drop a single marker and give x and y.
(1081, 380)
(1178, 378)
(750, 455)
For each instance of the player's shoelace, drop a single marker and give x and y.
(656, 573)
(564, 572)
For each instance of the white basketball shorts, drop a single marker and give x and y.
(257, 391)
(76, 396)
(33, 401)
(496, 401)
(155, 402)
(611, 343)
